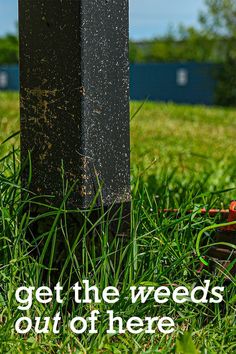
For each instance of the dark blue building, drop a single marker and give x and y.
(191, 83)
(9, 78)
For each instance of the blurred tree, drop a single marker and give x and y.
(200, 46)
(220, 18)
(219, 21)
(9, 49)
(135, 53)
(190, 46)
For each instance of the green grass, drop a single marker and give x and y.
(192, 145)
(9, 115)
(182, 156)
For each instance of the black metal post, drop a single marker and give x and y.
(74, 74)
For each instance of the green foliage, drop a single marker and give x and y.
(226, 88)
(9, 49)
(191, 46)
(220, 21)
(135, 53)
(220, 17)
(214, 42)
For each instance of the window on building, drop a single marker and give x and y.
(3, 80)
(182, 77)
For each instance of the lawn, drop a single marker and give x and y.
(182, 156)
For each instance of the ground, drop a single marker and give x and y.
(182, 157)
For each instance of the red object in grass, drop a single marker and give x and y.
(231, 217)
(211, 212)
(225, 235)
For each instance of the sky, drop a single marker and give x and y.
(148, 18)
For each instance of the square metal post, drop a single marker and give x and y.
(74, 89)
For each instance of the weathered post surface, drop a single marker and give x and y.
(74, 79)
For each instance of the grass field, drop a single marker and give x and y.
(182, 156)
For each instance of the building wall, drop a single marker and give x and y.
(190, 83)
(9, 78)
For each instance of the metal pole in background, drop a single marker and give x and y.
(74, 89)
